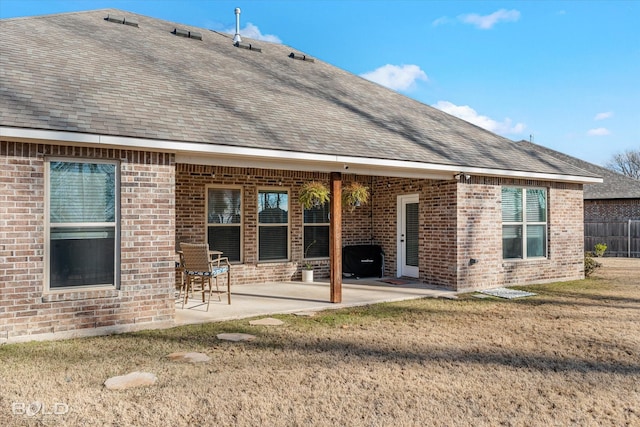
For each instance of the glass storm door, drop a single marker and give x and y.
(408, 226)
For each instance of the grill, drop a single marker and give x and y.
(362, 261)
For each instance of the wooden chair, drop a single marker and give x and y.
(180, 270)
(200, 269)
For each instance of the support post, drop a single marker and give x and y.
(335, 237)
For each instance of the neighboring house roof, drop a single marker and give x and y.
(614, 185)
(82, 75)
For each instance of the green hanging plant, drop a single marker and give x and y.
(313, 194)
(354, 194)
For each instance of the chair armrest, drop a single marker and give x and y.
(218, 260)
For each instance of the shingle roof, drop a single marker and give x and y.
(613, 186)
(77, 72)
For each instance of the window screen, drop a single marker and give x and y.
(524, 231)
(224, 221)
(82, 224)
(316, 232)
(411, 234)
(273, 225)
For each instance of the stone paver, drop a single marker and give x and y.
(236, 337)
(131, 380)
(267, 321)
(191, 357)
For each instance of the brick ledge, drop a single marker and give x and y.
(74, 295)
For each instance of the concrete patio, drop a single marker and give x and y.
(291, 297)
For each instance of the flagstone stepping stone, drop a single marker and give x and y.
(236, 337)
(191, 357)
(267, 321)
(131, 380)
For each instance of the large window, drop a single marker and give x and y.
(273, 225)
(524, 223)
(316, 232)
(82, 223)
(224, 221)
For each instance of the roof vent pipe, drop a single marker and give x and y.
(236, 38)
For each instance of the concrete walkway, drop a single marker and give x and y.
(290, 297)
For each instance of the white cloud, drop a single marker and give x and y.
(396, 77)
(253, 32)
(441, 21)
(602, 116)
(486, 22)
(469, 114)
(598, 132)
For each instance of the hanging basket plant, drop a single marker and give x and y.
(353, 195)
(313, 194)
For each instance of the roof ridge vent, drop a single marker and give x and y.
(237, 38)
(294, 55)
(118, 19)
(186, 33)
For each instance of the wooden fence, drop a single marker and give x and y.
(621, 237)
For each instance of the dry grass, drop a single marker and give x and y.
(569, 356)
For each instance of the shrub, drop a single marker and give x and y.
(590, 264)
(600, 248)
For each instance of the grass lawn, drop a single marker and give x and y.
(568, 356)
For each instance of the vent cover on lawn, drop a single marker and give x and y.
(507, 293)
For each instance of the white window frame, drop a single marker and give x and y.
(288, 223)
(49, 225)
(215, 224)
(524, 223)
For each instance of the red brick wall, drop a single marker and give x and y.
(358, 225)
(145, 297)
(191, 184)
(463, 221)
(459, 222)
(479, 234)
(565, 260)
(607, 210)
(385, 220)
(437, 237)
(607, 222)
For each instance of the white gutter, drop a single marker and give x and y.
(225, 155)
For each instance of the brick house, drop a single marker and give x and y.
(611, 208)
(122, 135)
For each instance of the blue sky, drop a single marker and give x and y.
(564, 73)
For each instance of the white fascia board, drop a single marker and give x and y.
(226, 155)
(311, 166)
(35, 135)
(531, 175)
(470, 170)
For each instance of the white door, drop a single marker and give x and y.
(408, 227)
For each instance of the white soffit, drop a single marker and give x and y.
(224, 155)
